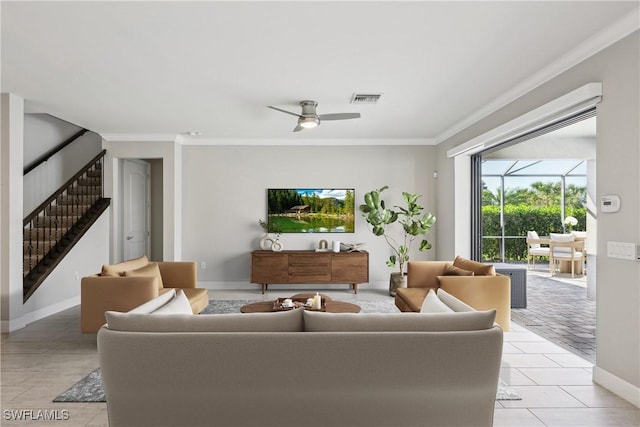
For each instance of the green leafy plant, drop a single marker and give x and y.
(269, 227)
(413, 221)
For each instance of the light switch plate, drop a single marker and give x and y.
(622, 250)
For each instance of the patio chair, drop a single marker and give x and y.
(564, 247)
(535, 249)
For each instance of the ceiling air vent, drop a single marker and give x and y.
(365, 98)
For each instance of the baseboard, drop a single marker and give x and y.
(617, 385)
(41, 313)
(244, 286)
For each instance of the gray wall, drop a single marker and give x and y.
(224, 196)
(618, 156)
(43, 132)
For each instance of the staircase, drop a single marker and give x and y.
(55, 226)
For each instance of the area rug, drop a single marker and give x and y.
(89, 389)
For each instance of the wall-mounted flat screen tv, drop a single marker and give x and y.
(311, 210)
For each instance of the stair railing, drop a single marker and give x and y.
(46, 156)
(47, 224)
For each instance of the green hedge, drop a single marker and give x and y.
(519, 219)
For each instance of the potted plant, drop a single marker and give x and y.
(413, 221)
(569, 223)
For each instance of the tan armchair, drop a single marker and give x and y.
(535, 248)
(124, 286)
(570, 251)
(482, 292)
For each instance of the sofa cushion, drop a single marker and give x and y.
(155, 303)
(398, 322)
(424, 274)
(285, 321)
(478, 268)
(433, 304)
(452, 270)
(151, 269)
(178, 305)
(119, 268)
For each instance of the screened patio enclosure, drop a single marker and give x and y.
(522, 195)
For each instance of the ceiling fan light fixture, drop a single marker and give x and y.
(308, 122)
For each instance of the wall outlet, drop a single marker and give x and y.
(203, 265)
(76, 275)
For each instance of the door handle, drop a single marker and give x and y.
(130, 237)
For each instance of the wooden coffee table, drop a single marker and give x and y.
(329, 306)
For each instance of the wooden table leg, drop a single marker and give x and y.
(355, 288)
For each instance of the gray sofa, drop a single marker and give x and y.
(301, 368)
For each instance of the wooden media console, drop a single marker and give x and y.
(302, 267)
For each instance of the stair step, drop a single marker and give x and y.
(83, 190)
(56, 223)
(76, 200)
(90, 181)
(31, 261)
(43, 233)
(67, 210)
(42, 248)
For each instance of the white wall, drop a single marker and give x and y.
(224, 196)
(618, 157)
(42, 132)
(12, 109)
(61, 289)
(44, 180)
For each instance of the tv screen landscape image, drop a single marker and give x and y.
(307, 210)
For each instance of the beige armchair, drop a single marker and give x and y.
(484, 290)
(535, 248)
(126, 285)
(566, 249)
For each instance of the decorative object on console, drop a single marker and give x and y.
(267, 241)
(323, 246)
(353, 247)
(414, 223)
(294, 210)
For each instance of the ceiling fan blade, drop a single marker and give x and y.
(298, 128)
(339, 116)
(284, 111)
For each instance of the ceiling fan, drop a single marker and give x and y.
(310, 119)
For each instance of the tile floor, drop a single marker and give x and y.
(49, 356)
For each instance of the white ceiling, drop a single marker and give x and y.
(158, 69)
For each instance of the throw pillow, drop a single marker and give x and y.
(154, 304)
(432, 304)
(150, 269)
(178, 305)
(478, 268)
(118, 269)
(453, 302)
(452, 270)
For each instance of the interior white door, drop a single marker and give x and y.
(136, 205)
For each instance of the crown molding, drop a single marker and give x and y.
(591, 46)
(144, 137)
(203, 140)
